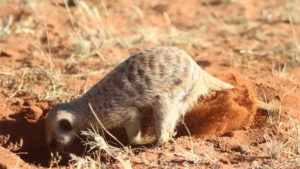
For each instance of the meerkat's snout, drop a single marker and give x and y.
(61, 138)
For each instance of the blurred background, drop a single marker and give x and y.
(86, 38)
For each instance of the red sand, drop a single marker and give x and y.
(224, 111)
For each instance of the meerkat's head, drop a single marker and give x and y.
(59, 126)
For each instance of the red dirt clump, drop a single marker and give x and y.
(33, 113)
(223, 111)
(10, 160)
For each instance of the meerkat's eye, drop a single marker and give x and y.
(65, 125)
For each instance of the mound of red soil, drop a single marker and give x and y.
(223, 111)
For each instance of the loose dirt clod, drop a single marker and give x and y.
(10, 160)
(33, 113)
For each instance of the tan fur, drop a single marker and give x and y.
(165, 79)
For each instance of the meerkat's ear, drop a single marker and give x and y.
(213, 83)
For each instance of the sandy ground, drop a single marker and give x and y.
(51, 52)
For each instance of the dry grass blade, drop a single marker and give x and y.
(275, 147)
(282, 98)
(20, 86)
(95, 140)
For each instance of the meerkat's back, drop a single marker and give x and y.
(151, 72)
(154, 72)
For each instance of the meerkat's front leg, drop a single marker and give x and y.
(166, 116)
(133, 130)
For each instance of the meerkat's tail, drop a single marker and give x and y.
(213, 83)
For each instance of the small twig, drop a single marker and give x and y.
(9, 23)
(71, 18)
(189, 133)
(86, 84)
(52, 69)
(20, 86)
(282, 98)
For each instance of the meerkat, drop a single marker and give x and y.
(164, 79)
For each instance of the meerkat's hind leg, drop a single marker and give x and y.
(133, 130)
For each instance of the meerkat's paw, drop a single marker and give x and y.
(141, 140)
(165, 139)
(137, 139)
(147, 140)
